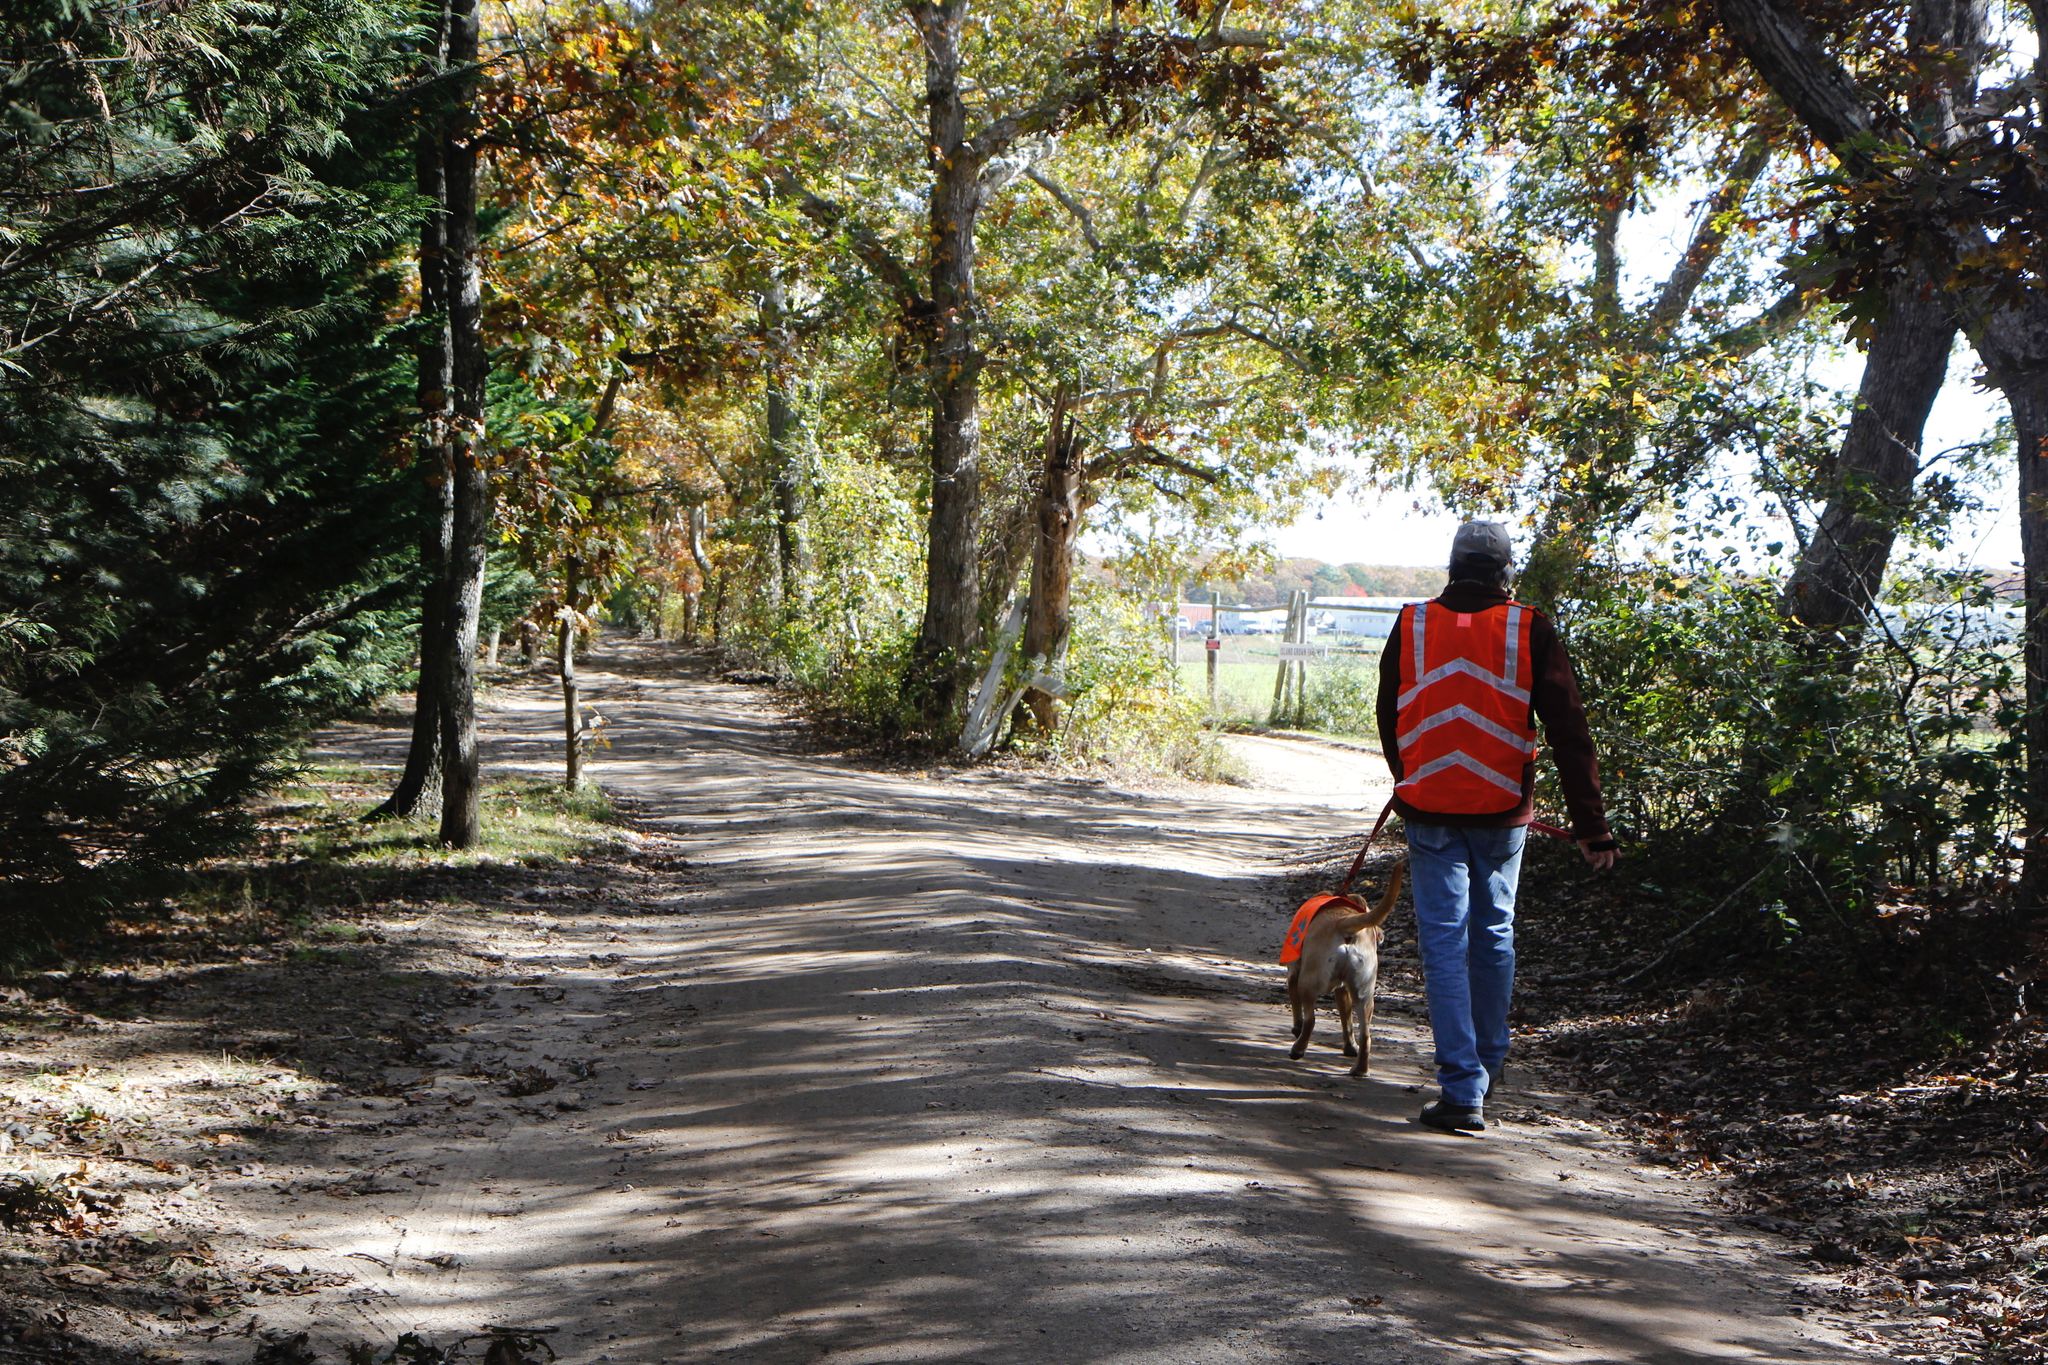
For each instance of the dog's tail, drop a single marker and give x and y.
(1378, 914)
(1357, 921)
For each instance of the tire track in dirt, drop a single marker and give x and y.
(979, 1065)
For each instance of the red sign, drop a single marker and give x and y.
(1212, 644)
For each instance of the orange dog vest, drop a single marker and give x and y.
(1463, 727)
(1297, 929)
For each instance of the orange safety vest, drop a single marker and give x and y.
(1463, 725)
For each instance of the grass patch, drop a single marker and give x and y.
(526, 820)
(1342, 695)
(319, 859)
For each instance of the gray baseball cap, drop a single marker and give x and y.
(1483, 540)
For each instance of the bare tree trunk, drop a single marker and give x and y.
(952, 610)
(572, 719)
(461, 815)
(419, 786)
(1058, 520)
(693, 605)
(418, 791)
(786, 454)
(1870, 486)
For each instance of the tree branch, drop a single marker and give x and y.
(1053, 110)
(1607, 265)
(870, 248)
(1122, 460)
(1232, 327)
(1074, 207)
(1812, 83)
(602, 419)
(1747, 338)
(1709, 236)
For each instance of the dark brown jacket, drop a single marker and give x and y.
(1554, 699)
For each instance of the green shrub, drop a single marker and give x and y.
(1342, 699)
(1123, 709)
(1830, 768)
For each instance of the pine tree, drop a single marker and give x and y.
(199, 397)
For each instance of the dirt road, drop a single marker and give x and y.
(969, 1066)
(1284, 771)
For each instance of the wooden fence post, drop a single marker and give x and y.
(1280, 674)
(1213, 647)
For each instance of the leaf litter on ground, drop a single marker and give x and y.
(1881, 1106)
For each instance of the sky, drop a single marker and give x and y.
(1411, 528)
(1404, 527)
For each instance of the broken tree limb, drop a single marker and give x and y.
(984, 715)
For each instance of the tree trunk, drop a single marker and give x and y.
(572, 719)
(786, 453)
(1058, 517)
(1842, 567)
(2011, 338)
(418, 791)
(693, 604)
(952, 609)
(1870, 486)
(461, 816)
(2015, 354)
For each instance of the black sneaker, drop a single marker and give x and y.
(1446, 1117)
(1496, 1080)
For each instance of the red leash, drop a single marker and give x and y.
(1543, 827)
(1386, 813)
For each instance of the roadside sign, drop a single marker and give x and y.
(1212, 643)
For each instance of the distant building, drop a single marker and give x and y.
(1370, 618)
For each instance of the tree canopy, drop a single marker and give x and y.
(823, 332)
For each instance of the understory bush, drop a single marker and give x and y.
(1809, 779)
(1341, 699)
(1122, 709)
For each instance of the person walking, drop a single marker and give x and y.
(1463, 681)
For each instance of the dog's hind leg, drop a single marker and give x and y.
(1343, 994)
(1304, 1014)
(1364, 1062)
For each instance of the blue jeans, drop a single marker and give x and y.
(1464, 882)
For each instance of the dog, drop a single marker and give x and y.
(1340, 955)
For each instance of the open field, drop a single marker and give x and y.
(1341, 686)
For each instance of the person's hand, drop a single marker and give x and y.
(1599, 859)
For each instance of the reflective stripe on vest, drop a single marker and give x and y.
(1463, 723)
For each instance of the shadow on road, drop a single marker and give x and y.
(960, 1065)
(969, 1065)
